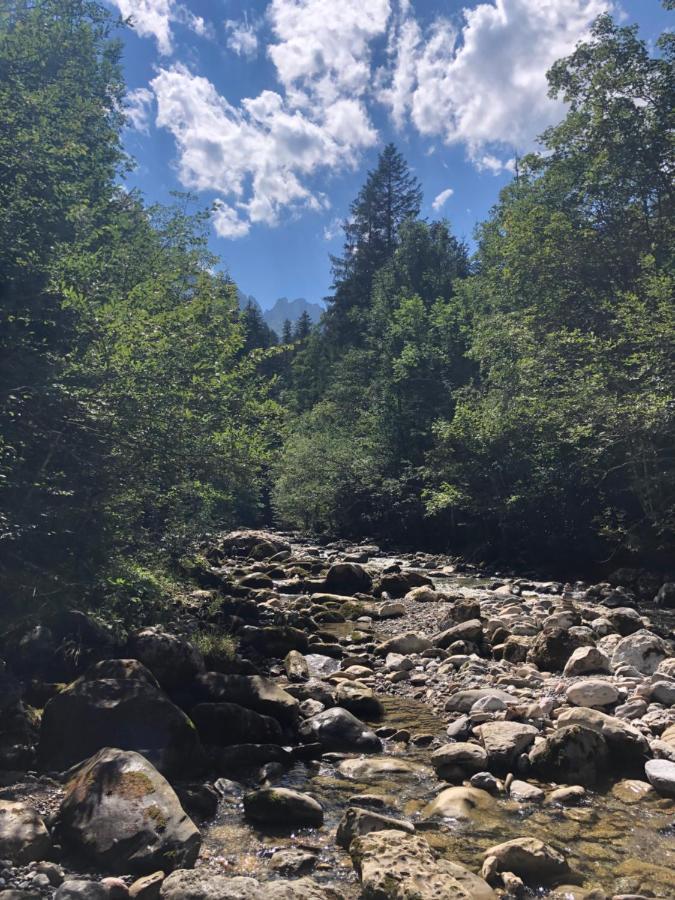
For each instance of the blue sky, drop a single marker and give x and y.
(275, 111)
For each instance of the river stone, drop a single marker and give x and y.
(504, 742)
(470, 631)
(124, 669)
(642, 650)
(79, 889)
(200, 884)
(663, 692)
(171, 659)
(225, 724)
(127, 713)
(393, 865)
(422, 594)
(273, 640)
(404, 644)
(525, 792)
(530, 859)
(592, 692)
(462, 701)
(297, 668)
(552, 648)
(626, 744)
(661, 775)
(359, 699)
(243, 541)
(281, 806)
(459, 803)
(357, 822)
(252, 691)
(365, 769)
(630, 790)
(454, 762)
(338, 730)
(147, 887)
(23, 835)
(585, 661)
(121, 814)
(570, 755)
(348, 578)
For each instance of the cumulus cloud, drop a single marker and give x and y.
(242, 38)
(137, 105)
(441, 199)
(153, 18)
(484, 84)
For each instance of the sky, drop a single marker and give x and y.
(275, 111)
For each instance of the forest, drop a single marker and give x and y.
(513, 401)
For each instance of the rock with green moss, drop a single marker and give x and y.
(120, 814)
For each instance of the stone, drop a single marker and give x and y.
(663, 692)
(148, 887)
(586, 661)
(552, 648)
(23, 834)
(357, 822)
(79, 889)
(571, 755)
(462, 701)
(458, 803)
(337, 729)
(567, 796)
(252, 691)
(225, 724)
(592, 692)
(422, 594)
(630, 790)
(243, 542)
(532, 860)
(202, 884)
(643, 650)
(122, 815)
(359, 699)
(393, 865)
(627, 746)
(130, 714)
(348, 578)
(504, 742)
(293, 862)
(665, 596)
(525, 792)
(661, 775)
(470, 631)
(460, 760)
(171, 659)
(277, 806)
(366, 769)
(273, 640)
(296, 666)
(404, 644)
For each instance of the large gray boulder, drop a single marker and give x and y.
(171, 659)
(225, 724)
(23, 834)
(123, 816)
(252, 691)
(529, 858)
(643, 650)
(348, 578)
(571, 755)
(204, 885)
(337, 729)
(276, 806)
(627, 746)
(504, 742)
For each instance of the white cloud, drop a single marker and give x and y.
(488, 162)
(332, 230)
(484, 85)
(259, 155)
(441, 199)
(242, 38)
(137, 105)
(153, 18)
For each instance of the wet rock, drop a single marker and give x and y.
(79, 889)
(337, 729)
(359, 699)
(122, 815)
(551, 649)
(626, 744)
(293, 862)
(23, 834)
(571, 755)
(203, 885)
(404, 644)
(252, 691)
(525, 792)
(368, 768)
(630, 790)
(462, 701)
(592, 692)
(504, 742)
(530, 859)
(348, 578)
(128, 713)
(256, 581)
(459, 803)
(567, 796)
(147, 887)
(296, 666)
(661, 775)
(357, 822)
(642, 650)
(277, 806)
(172, 660)
(399, 584)
(225, 724)
(454, 762)
(393, 865)
(586, 661)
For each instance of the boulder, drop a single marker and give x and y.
(275, 806)
(585, 661)
(399, 584)
(571, 755)
(252, 691)
(457, 761)
(627, 746)
(297, 668)
(661, 775)
(643, 650)
(665, 596)
(244, 541)
(357, 822)
(359, 699)
(123, 816)
(225, 724)
(459, 803)
(529, 858)
(23, 835)
(337, 729)
(462, 701)
(422, 594)
(171, 659)
(202, 884)
(393, 865)
(274, 640)
(79, 889)
(471, 631)
(504, 742)
(366, 768)
(592, 692)
(404, 644)
(552, 648)
(348, 578)
(127, 713)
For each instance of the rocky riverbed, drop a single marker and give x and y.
(405, 728)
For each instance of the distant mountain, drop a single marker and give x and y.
(283, 309)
